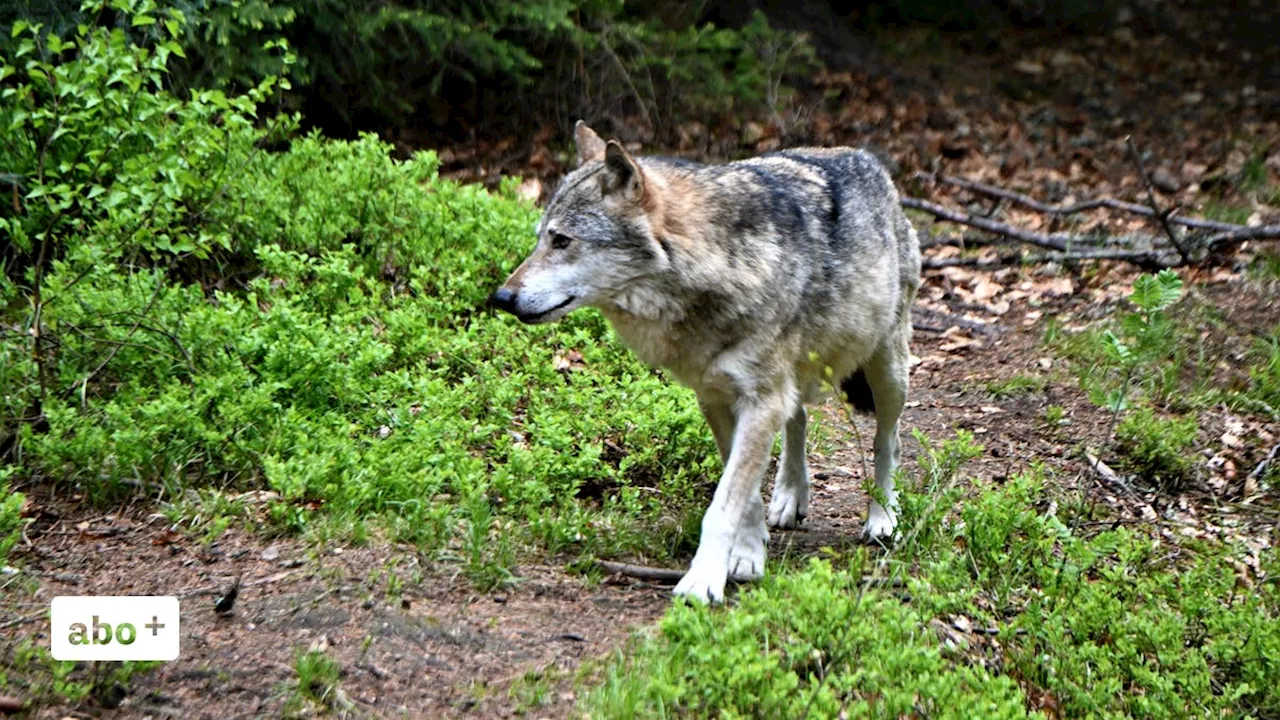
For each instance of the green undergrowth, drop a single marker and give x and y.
(1069, 623)
(1159, 364)
(199, 302)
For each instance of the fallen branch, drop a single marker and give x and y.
(1261, 470)
(665, 575)
(1143, 258)
(1216, 243)
(1104, 471)
(1061, 210)
(641, 572)
(1057, 241)
(1151, 199)
(1156, 257)
(946, 320)
(24, 619)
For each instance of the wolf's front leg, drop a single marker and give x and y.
(733, 530)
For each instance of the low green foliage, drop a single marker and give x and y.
(317, 683)
(1015, 386)
(27, 671)
(1144, 353)
(197, 311)
(11, 520)
(810, 643)
(1103, 625)
(1265, 373)
(1159, 450)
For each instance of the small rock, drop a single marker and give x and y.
(1165, 180)
(1029, 67)
(1192, 98)
(752, 133)
(270, 553)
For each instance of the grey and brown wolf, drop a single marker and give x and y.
(756, 283)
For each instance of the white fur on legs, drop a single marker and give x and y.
(887, 375)
(790, 502)
(881, 523)
(733, 530)
(746, 557)
(709, 570)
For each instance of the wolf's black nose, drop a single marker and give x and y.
(504, 299)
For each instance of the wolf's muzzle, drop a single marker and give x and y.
(504, 299)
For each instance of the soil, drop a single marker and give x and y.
(416, 640)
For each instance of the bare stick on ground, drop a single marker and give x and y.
(1060, 210)
(1065, 245)
(1151, 198)
(665, 575)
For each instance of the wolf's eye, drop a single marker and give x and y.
(560, 241)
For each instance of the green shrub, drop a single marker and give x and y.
(415, 64)
(310, 320)
(1265, 373)
(1106, 625)
(10, 516)
(804, 644)
(1158, 449)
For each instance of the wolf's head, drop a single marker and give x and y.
(595, 239)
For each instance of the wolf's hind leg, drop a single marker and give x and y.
(790, 502)
(733, 529)
(887, 374)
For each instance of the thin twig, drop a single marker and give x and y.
(1060, 210)
(1261, 470)
(669, 576)
(1214, 243)
(24, 619)
(1058, 241)
(1151, 198)
(948, 320)
(1143, 258)
(640, 572)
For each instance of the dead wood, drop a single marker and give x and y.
(1066, 246)
(1143, 258)
(1074, 208)
(1151, 200)
(665, 575)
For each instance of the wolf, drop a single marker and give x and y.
(761, 284)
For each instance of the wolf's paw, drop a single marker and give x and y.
(703, 584)
(880, 526)
(746, 559)
(789, 505)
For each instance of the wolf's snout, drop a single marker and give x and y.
(504, 299)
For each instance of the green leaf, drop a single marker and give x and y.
(1153, 293)
(142, 20)
(1116, 348)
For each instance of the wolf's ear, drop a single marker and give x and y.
(590, 146)
(624, 175)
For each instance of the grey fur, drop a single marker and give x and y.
(757, 283)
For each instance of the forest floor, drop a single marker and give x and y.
(1046, 118)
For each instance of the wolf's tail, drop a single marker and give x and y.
(855, 388)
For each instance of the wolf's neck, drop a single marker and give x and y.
(646, 304)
